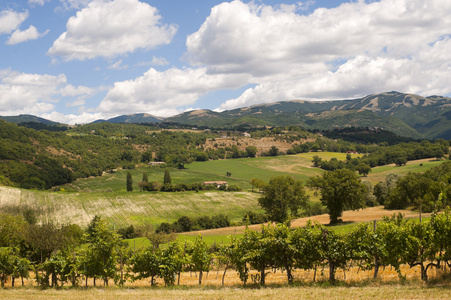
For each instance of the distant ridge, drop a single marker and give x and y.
(27, 118)
(133, 118)
(406, 115)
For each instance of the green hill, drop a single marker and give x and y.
(26, 118)
(133, 118)
(404, 114)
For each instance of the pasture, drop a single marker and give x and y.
(106, 196)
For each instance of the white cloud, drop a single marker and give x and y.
(74, 4)
(118, 65)
(156, 61)
(34, 93)
(37, 2)
(163, 93)
(78, 102)
(427, 73)
(111, 28)
(71, 91)
(351, 50)
(11, 20)
(71, 119)
(19, 36)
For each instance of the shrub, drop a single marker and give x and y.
(233, 188)
(167, 187)
(128, 232)
(153, 186)
(128, 166)
(255, 218)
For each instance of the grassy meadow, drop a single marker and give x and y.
(106, 196)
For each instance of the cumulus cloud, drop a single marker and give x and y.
(10, 20)
(82, 118)
(351, 50)
(111, 28)
(37, 2)
(156, 61)
(19, 36)
(34, 93)
(164, 93)
(118, 65)
(74, 4)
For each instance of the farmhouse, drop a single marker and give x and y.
(156, 163)
(216, 183)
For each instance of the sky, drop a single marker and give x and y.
(76, 61)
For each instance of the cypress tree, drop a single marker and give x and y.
(129, 182)
(167, 177)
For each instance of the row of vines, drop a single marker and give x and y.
(391, 242)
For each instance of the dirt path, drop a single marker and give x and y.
(363, 215)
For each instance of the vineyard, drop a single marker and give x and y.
(391, 248)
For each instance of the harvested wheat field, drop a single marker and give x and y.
(356, 286)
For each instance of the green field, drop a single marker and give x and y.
(242, 170)
(107, 196)
(378, 173)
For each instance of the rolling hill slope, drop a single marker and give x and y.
(404, 114)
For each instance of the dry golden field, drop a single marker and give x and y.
(357, 285)
(351, 216)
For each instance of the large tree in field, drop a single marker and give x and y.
(340, 189)
(282, 197)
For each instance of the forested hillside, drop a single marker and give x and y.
(42, 159)
(404, 114)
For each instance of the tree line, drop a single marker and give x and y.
(426, 191)
(394, 242)
(398, 154)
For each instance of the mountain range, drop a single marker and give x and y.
(407, 115)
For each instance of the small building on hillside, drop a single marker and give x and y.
(157, 163)
(352, 152)
(218, 184)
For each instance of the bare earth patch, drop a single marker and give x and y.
(363, 215)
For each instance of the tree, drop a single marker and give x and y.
(363, 169)
(146, 263)
(44, 240)
(260, 251)
(102, 250)
(129, 182)
(146, 156)
(306, 242)
(127, 155)
(316, 161)
(145, 181)
(340, 189)
(251, 151)
(281, 194)
(258, 183)
(273, 151)
(384, 188)
(145, 177)
(167, 177)
(12, 230)
(201, 258)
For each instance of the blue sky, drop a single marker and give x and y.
(75, 61)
